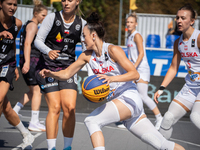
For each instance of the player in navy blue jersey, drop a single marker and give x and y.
(29, 57)
(56, 39)
(9, 27)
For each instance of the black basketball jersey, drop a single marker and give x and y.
(34, 51)
(7, 53)
(63, 39)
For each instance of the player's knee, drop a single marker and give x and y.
(160, 144)
(194, 117)
(168, 120)
(92, 125)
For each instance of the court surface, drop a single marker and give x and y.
(185, 134)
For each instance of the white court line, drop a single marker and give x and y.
(185, 142)
(35, 136)
(190, 143)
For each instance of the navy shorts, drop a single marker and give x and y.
(7, 73)
(30, 77)
(50, 84)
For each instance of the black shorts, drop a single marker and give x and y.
(7, 73)
(50, 84)
(30, 77)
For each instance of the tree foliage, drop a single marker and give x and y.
(108, 11)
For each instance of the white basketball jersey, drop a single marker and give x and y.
(133, 51)
(104, 65)
(190, 54)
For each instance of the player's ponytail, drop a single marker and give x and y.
(38, 6)
(94, 24)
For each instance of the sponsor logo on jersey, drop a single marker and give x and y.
(16, 28)
(66, 31)
(100, 91)
(58, 23)
(94, 59)
(67, 40)
(59, 38)
(50, 79)
(106, 56)
(193, 43)
(189, 54)
(48, 85)
(77, 27)
(103, 70)
(185, 47)
(70, 80)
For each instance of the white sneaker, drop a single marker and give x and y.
(36, 127)
(158, 123)
(27, 141)
(121, 126)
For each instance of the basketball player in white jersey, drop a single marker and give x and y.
(137, 55)
(186, 47)
(124, 103)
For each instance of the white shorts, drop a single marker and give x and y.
(189, 94)
(144, 74)
(132, 100)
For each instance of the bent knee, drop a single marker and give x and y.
(92, 125)
(156, 142)
(168, 120)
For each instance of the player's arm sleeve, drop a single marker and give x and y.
(82, 38)
(43, 31)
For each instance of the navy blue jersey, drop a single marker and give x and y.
(63, 39)
(7, 53)
(34, 51)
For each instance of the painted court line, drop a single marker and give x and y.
(37, 135)
(185, 142)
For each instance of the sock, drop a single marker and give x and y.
(21, 128)
(18, 107)
(51, 143)
(99, 148)
(67, 142)
(34, 116)
(158, 116)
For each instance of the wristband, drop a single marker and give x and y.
(161, 87)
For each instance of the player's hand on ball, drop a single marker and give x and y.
(45, 73)
(107, 79)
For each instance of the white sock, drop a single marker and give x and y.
(34, 116)
(158, 116)
(67, 142)
(18, 107)
(21, 128)
(51, 143)
(99, 148)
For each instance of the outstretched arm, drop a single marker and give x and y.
(68, 72)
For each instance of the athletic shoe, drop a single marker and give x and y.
(27, 141)
(36, 127)
(158, 123)
(68, 148)
(120, 125)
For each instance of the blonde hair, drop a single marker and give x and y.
(38, 6)
(133, 15)
(78, 10)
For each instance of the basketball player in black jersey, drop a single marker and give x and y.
(57, 39)
(9, 27)
(29, 57)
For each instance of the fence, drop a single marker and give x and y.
(156, 24)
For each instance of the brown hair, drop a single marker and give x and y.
(189, 7)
